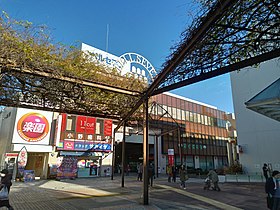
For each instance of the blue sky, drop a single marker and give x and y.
(146, 27)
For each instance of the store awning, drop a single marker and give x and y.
(267, 102)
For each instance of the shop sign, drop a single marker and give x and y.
(68, 145)
(11, 155)
(32, 127)
(171, 157)
(22, 160)
(108, 127)
(85, 124)
(128, 63)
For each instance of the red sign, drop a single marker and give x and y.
(171, 160)
(33, 127)
(107, 127)
(85, 124)
(68, 145)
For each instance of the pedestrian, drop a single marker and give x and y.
(140, 172)
(151, 174)
(169, 172)
(6, 181)
(183, 176)
(213, 176)
(127, 169)
(174, 173)
(273, 191)
(265, 171)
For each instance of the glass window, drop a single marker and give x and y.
(191, 116)
(202, 119)
(187, 115)
(198, 118)
(206, 120)
(169, 110)
(183, 115)
(164, 108)
(195, 117)
(99, 126)
(179, 117)
(70, 123)
(159, 110)
(174, 113)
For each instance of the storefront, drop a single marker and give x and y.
(86, 140)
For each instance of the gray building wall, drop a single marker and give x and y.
(8, 117)
(258, 135)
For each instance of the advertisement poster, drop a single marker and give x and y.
(28, 175)
(22, 161)
(66, 168)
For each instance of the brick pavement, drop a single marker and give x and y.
(104, 193)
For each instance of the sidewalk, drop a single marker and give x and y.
(104, 193)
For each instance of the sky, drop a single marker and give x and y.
(147, 27)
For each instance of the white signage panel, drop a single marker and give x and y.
(128, 63)
(32, 127)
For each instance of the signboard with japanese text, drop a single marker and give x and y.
(83, 133)
(32, 127)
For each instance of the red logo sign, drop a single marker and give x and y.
(85, 124)
(33, 127)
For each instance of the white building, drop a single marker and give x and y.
(258, 134)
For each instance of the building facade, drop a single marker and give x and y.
(197, 132)
(258, 135)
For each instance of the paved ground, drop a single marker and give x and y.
(104, 193)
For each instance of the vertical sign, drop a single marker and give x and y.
(22, 160)
(171, 157)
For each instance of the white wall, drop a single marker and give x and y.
(258, 135)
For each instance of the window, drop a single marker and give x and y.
(206, 120)
(183, 115)
(99, 126)
(174, 113)
(159, 110)
(202, 119)
(195, 117)
(187, 115)
(179, 117)
(70, 123)
(191, 116)
(198, 118)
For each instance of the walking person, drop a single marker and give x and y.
(6, 181)
(169, 172)
(265, 171)
(151, 174)
(273, 191)
(213, 176)
(183, 176)
(140, 172)
(174, 174)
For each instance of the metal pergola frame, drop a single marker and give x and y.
(221, 40)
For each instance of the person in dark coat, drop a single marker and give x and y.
(6, 181)
(265, 171)
(151, 174)
(270, 188)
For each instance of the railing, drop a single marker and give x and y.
(242, 178)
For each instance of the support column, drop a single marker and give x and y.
(156, 155)
(123, 155)
(145, 154)
(180, 146)
(113, 155)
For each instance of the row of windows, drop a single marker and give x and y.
(179, 114)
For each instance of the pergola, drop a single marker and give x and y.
(227, 35)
